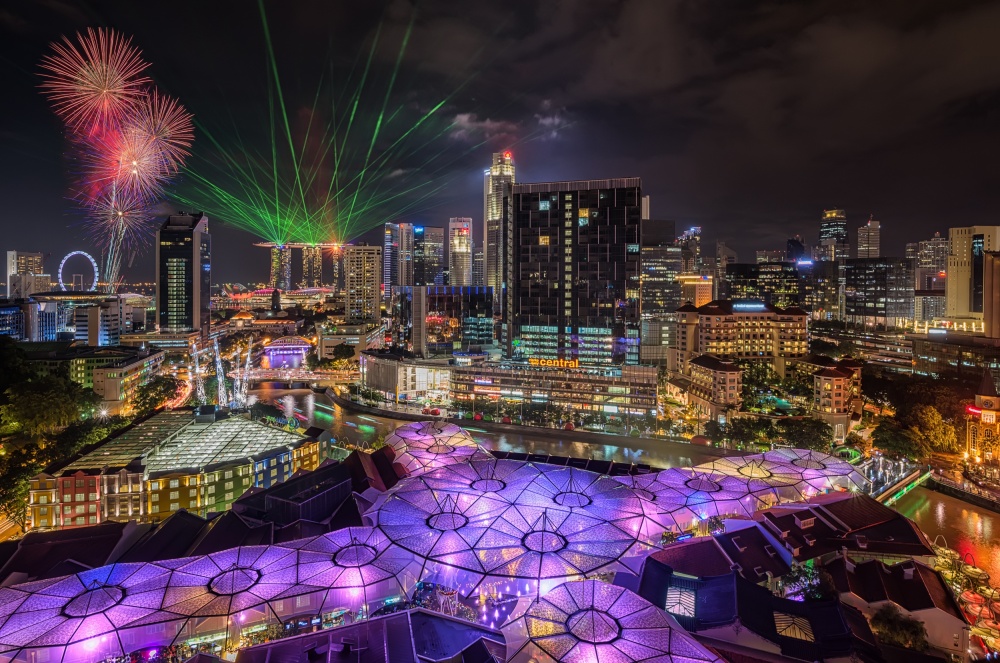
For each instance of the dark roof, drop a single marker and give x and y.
(170, 539)
(754, 553)
(910, 585)
(412, 636)
(816, 360)
(833, 372)
(40, 555)
(853, 521)
(701, 557)
(725, 307)
(687, 308)
(827, 633)
(713, 363)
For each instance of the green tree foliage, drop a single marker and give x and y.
(806, 433)
(898, 441)
(45, 404)
(808, 583)
(747, 431)
(862, 444)
(343, 351)
(715, 431)
(894, 628)
(758, 380)
(927, 422)
(156, 392)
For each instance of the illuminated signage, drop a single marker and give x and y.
(749, 306)
(555, 363)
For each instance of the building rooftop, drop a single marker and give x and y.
(911, 585)
(713, 363)
(172, 440)
(730, 306)
(829, 523)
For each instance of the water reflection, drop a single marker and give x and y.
(967, 528)
(313, 409)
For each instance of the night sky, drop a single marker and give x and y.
(747, 118)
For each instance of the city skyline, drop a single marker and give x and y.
(709, 159)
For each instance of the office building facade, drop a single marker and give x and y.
(362, 269)
(281, 267)
(660, 293)
(22, 263)
(184, 274)
(573, 284)
(460, 251)
(932, 262)
(428, 255)
(834, 242)
(964, 286)
(397, 256)
(879, 293)
(312, 267)
(870, 239)
(497, 182)
(774, 283)
(438, 321)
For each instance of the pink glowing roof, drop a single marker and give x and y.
(595, 621)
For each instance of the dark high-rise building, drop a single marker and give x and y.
(428, 255)
(795, 249)
(775, 283)
(478, 265)
(661, 264)
(820, 289)
(574, 271)
(184, 274)
(438, 321)
(834, 242)
(878, 292)
(397, 256)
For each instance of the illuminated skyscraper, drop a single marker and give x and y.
(661, 264)
(428, 255)
(362, 266)
(932, 263)
(869, 240)
(497, 181)
(964, 285)
(573, 283)
(20, 262)
(459, 251)
(281, 267)
(834, 242)
(478, 265)
(397, 256)
(312, 267)
(184, 274)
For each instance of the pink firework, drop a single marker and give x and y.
(118, 217)
(95, 82)
(168, 125)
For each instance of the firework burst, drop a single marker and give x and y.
(127, 139)
(96, 82)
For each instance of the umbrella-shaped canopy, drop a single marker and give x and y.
(356, 558)
(595, 621)
(75, 608)
(773, 481)
(538, 532)
(425, 445)
(708, 494)
(822, 471)
(663, 505)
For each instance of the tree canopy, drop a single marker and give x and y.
(156, 392)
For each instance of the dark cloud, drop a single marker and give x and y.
(746, 118)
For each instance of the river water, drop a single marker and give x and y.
(965, 527)
(317, 409)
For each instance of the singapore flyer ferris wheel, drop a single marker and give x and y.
(93, 264)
